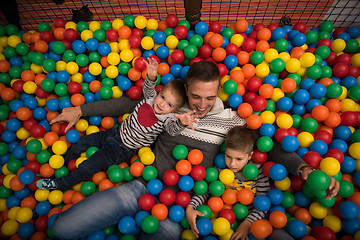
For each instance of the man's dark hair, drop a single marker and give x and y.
(204, 71)
(240, 138)
(178, 88)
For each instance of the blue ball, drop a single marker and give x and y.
(52, 104)
(39, 113)
(92, 44)
(4, 158)
(339, 144)
(175, 70)
(148, 53)
(104, 49)
(183, 72)
(63, 76)
(124, 84)
(13, 201)
(277, 208)
(176, 213)
(287, 28)
(23, 193)
(302, 199)
(12, 146)
(190, 34)
(73, 136)
(154, 186)
(301, 96)
(19, 152)
(89, 97)
(349, 210)
(312, 103)
(52, 76)
(31, 103)
(43, 208)
(88, 77)
(98, 235)
(354, 31)
(235, 100)
(342, 132)
(299, 40)
(26, 177)
(225, 43)
(54, 56)
(231, 61)
(292, 34)
(204, 225)
(262, 203)
(248, 30)
(271, 79)
(344, 36)
(78, 46)
(307, 83)
(348, 165)
(186, 183)
(140, 216)
(349, 82)
(297, 228)
(16, 104)
(13, 124)
(26, 230)
(95, 120)
(209, 238)
(126, 225)
(277, 33)
(220, 161)
(8, 136)
(290, 143)
(51, 219)
(335, 79)
(275, 195)
(45, 123)
(167, 77)
(267, 129)
(112, 236)
(302, 151)
(351, 226)
(201, 28)
(277, 172)
(319, 146)
(284, 104)
(65, 103)
(318, 90)
(15, 62)
(356, 178)
(162, 52)
(298, 109)
(159, 37)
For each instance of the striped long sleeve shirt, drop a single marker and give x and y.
(143, 125)
(259, 186)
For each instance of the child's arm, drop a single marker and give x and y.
(242, 231)
(177, 124)
(151, 77)
(186, 119)
(191, 213)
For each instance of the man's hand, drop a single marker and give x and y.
(70, 115)
(186, 119)
(151, 68)
(191, 215)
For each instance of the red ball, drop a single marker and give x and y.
(313, 159)
(259, 157)
(324, 135)
(171, 20)
(171, 177)
(335, 153)
(140, 64)
(266, 167)
(135, 41)
(70, 34)
(137, 32)
(32, 186)
(331, 59)
(215, 27)
(353, 71)
(293, 131)
(33, 166)
(344, 58)
(46, 36)
(280, 134)
(253, 35)
(74, 87)
(349, 118)
(63, 127)
(222, 68)
(112, 35)
(253, 84)
(28, 124)
(297, 183)
(272, 26)
(182, 198)
(177, 56)
(194, 60)
(18, 86)
(134, 92)
(71, 165)
(198, 172)
(181, 32)
(337, 31)
(249, 97)
(323, 233)
(283, 74)
(67, 44)
(59, 22)
(228, 214)
(146, 201)
(300, 26)
(40, 93)
(258, 103)
(84, 69)
(140, 83)
(324, 42)
(37, 131)
(249, 44)
(156, 58)
(258, 26)
(41, 223)
(205, 51)
(231, 49)
(311, 50)
(167, 196)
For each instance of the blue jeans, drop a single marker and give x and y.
(106, 208)
(111, 151)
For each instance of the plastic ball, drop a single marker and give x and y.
(290, 143)
(150, 224)
(250, 171)
(221, 226)
(261, 228)
(318, 180)
(204, 225)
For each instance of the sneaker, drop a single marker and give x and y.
(46, 183)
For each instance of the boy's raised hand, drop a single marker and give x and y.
(191, 215)
(151, 68)
(186, 119)
(242, 231)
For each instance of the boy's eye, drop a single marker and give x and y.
(170, 105)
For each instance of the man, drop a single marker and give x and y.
(107, 207)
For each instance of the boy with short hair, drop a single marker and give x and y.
(239, 143)
(153, 115)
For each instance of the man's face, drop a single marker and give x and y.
(202, 96)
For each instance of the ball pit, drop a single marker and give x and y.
(299, 87)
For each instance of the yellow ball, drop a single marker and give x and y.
(124, 116)
(284, 121)
(227, 236)
(7, 179)
(13, 40)
(301, 71)
(70, 25)
(126, 55)
(283, 185)
(338, 45)
(86, 35)
(55, 197)
(347, 104)
(112, 71)
(278, 93)
(41, 194)
(77, 77)
(270, 54)
(12, 212)
(237, 39)
(4, 41)
(307, 59)
(60, 65)
(221, 226)
(354, 150)
(5, 170)
(59, 147)
(293, 65)
(267, 117)
(343, 94)
(29, 87)
(147, 43)
(3, 205)
(140, 22)
(124, 44)
(147, 157)
(113, 58)
(333, 222)
(41, 101)
(81, 125)
(9, 227)
(143, 149)
(22, 133)
(152, 24)
(72, 68)
(172, 42)
(305, 139)
(56, 161)
(117, 23)
(117, 92)
(318, 211)
(262, 70)
(79, 161)
(188, 234)
(95, 68)
(114, 46)
(355, 60)
(226, 176)
(24, 215)
(223, 95)
(284, 56)
(37, 69)
(330, 165)
(224, 79)
(94, 25)
(92, 129)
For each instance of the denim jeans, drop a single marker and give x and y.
(106, 208)
(111, 151)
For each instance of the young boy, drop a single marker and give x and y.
(151, 116)
(239, 143)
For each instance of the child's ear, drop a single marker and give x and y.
(250, 154)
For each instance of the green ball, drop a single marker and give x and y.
(4, 114)
(186, 62)
(106, 25)
(169, 32)
(334, 90)
(216, 188)
(228, 33)
(33, 146)
(346, 189)
(183, 44)
(322, 35)
(270, 105)
(112, 167)
(127, 175)
(61, 172)
(129, 21)
(205, 210)
(22, 48)
(88, 188)
(323, 51)
(84, 88)
(5, 192)
(61, 89)
(38, 58)
(311, 37)
(106, 92)
(2, 30)
(308, 190)
(81, 26)
(230, 87)
(200, 187)
(149, 224)
(94, 57)
(9, 52)
(326, 72)
(256, 57)
(47, 84)
(314, 72)
(26, 66)
(288, 200)
(11, 29)
(100, 35)
(82, 60)
(296, 77)
(180, 152)
(250, 171)
(190, 51)
(241, 211)
(211, 174)
(281, 45)
(352, 46)
(184, 223)
(3, 148)
(149, 173)
(309, 125)
(318, 60)
(328, 203)
(150, 32)
(338, 176)
(326, 26)
(354, 93)
(355, 136)
(44, 26)
(13, 165)
(185, 23)
(58, 47)
(108, 230)
(277, 65)
(128, 237)
(108, 82)
(264, 144)
(296, 120)
(124, 68)
(222, 147)
(196, 40)
(49, 65)
(116, 175)
(69, 55)
(320, 194)
(5, 78)
(318, 180)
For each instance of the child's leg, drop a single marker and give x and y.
(112, 152)
(94, 139)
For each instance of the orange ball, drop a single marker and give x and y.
(248, 70)
(41, 46)
(77, 197)
(296, 52)
(326, 81)
(333, 120)
(39, 236)
(4, 66)
(262, 46)
(27, 38)
(136, 169)
(29, 202)
(50, 138)
(77, 99)
(303, 214)
(245, 110)
(51, 115)
(159, 211)
(215, 204)
(137, 52)
(241, 25)
(264, 34)
(241, 89)
(261, 228)
(7, 94)
(229, 196)
(195, 156)
(266, 90)
(243, 57)
(107, 122)
(104, 62)
(35, 37)
(288, 85)
(98, 177)
(334, 105)
(134, 74)
(59, 34)
(216, 40)
(163, 68)
(67, 196)
(219, 54)
(95, 86)
(53, 211)
(355, 198)
(124, 32)
(46, 171)
(30, 156)
(23, 113)
(38, 79)
(320, 113)
(15, 184)
(245, 196)
(183, 167)
(278, 219)
(254, 121)
(207, 37)
(105, 184)
(237, 76)
(123, 165)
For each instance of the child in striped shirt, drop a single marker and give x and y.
(153, 115)
(239, 143)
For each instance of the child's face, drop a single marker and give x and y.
(165, 102)
(236, 160)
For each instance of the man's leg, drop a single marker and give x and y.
(279, 234)
(99, 210)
